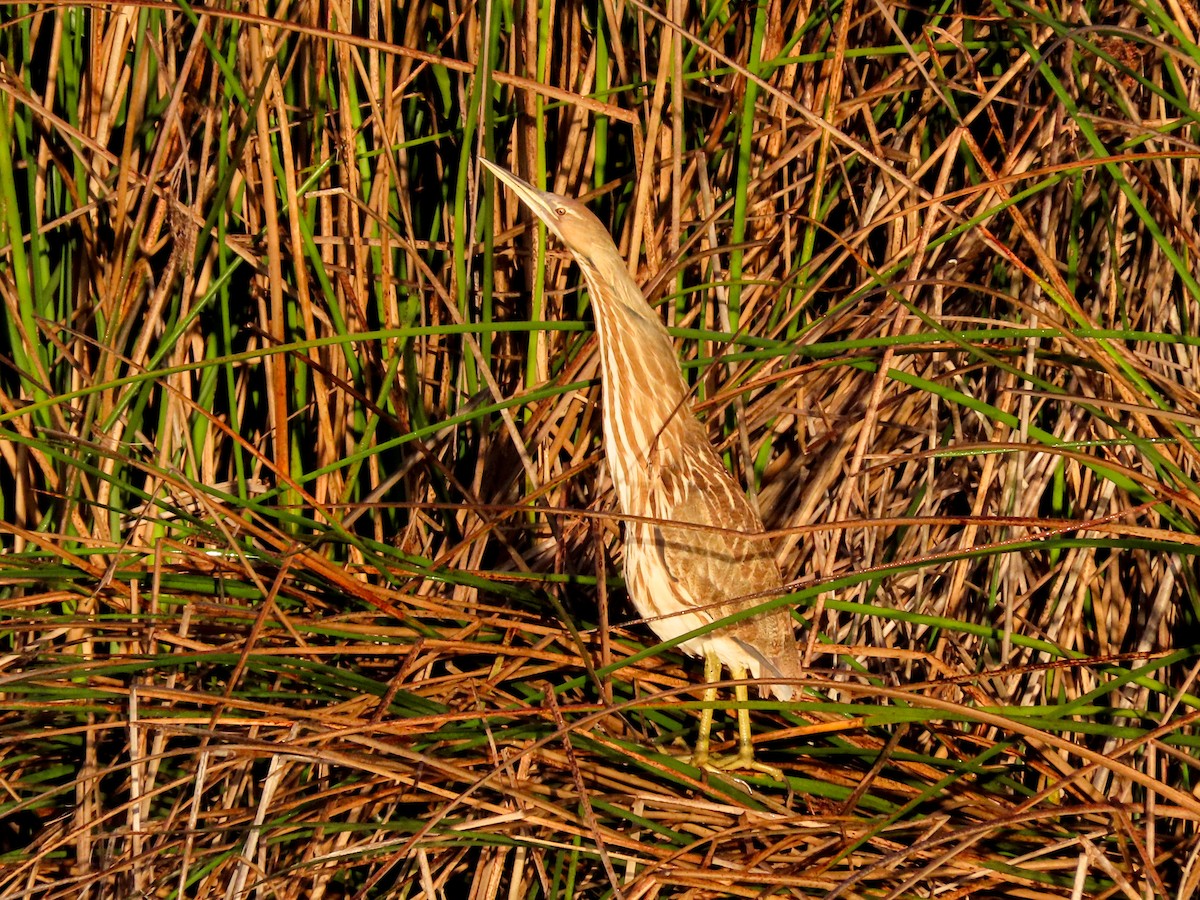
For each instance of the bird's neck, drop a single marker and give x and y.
(647, 412)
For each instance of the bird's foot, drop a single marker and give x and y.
(736, 762)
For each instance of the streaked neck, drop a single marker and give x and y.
(647, 408)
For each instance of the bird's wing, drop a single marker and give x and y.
(723, 567)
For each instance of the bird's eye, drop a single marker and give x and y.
(560, 211)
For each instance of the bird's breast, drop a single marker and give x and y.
(644, 465)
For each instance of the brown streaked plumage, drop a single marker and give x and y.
(665, 470)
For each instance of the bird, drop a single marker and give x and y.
(691, 552)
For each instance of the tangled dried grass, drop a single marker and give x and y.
(308, 552)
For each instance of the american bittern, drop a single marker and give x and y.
(668, 477)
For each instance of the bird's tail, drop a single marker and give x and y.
(786, 666)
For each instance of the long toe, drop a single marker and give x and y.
(741, 761)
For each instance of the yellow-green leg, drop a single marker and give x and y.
(744, 758)
(712, 674)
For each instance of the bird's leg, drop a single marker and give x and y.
(712, 674)
(744, 758)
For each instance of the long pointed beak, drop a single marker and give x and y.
(541, 203)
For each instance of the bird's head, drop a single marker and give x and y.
(569, 220)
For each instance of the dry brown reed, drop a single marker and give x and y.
(308, 561)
